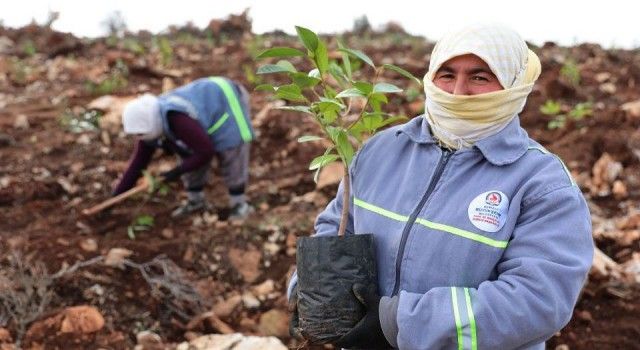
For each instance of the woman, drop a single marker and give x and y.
(204, 118)
(483, 240)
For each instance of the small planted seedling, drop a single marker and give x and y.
(156, 185)
(140, 223)
(145, 222)
(559, 121)
(570, 72)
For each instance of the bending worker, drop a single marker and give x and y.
(207, 117)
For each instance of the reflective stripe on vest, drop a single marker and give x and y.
(466, 332)
(218, 124)
(432, 225)
(236, 110)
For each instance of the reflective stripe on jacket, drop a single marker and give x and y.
(218, 106)
(487, 247)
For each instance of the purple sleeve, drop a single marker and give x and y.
(139, 160)
(189, 131)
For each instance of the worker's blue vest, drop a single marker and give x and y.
(217, 105)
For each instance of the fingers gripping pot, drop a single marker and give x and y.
(328, 267)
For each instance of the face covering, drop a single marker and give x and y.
(142, 117)
(458, 121)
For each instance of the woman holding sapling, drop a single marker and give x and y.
(483, 239)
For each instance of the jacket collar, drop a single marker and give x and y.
(504, 147)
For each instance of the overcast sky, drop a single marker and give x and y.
(609, 23)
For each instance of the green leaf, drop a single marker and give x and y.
(376, 100)
(303, 80)
(386, 88)
(144, 220)
(314, 73)
(359, 54)
(365, 87)
(394, 119)
(551, 107)
(344, 147)
(330, 101)
(581, 110)
(153, 181)
(329, 92)
(316, 175)
(329, 116)
(290, 92)
(322, 160)
(346, 62)
(265, 87)
(303, 109)
(372, 121)
(558, 122)
(280, 52)
(308, 138)
(309, 39)
(281, 66)
(403, 73)
(336, 71)
(352, 92)
(328, 109)
(321, 57)
(163, 190)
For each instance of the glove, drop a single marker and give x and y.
(171, 175)
(367, 333)
(294, 323)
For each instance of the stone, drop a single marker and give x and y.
(263, 288)
(89, 245)
(632, 108)
(81, 319)
(226, 307)
(167, 233)
(603, 265)
(274, 322)
(247, 263)
(149, 340)
(585, 315)
(21, 122)
(235, 341)
(272, 248)
(250, 301)
(5, 336)
(619, 190)
(115, 257)
(609, 88)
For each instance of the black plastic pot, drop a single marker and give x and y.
(327, 269)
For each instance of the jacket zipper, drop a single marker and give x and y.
(444, 158)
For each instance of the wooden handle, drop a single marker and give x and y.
(117, 199)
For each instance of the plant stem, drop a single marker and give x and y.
(346, 194)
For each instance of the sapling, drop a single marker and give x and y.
(144, 222)
(328, 93)
(347, 109)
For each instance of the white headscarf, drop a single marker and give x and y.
(459, 121)
(142, 116)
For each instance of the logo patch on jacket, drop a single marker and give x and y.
(488, 211)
